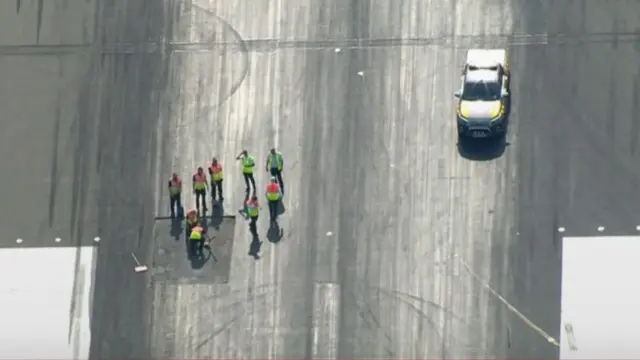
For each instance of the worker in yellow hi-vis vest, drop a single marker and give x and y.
(275, 164)
(248, 163)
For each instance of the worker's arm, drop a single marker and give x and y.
(169, 184)
(193, 182)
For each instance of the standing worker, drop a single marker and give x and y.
(275, 164)
(215, 171)
(200, 187)
(197, 241)
(251, 209)
(175, 191)
(274, 195)
(248, 163)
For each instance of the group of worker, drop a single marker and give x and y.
(274, 192)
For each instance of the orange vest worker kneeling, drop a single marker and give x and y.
(196, 239)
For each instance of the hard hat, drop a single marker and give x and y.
(273, 179)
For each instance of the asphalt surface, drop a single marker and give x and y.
(79, 120)
(576, 104)
(389, 231)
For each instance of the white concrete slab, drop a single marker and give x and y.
(600, 298)
(45, 302)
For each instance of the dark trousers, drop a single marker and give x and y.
(201, 195)
(278, 174)
(216, 187)
(253, 224)
(197, 247)
(248, 178)
(176, 203)
(273, 209)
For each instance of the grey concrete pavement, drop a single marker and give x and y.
(583, 134)
(77, 138)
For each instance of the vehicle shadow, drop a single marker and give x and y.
(482, 149)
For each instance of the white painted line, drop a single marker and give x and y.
(46, 299)
(510, 307)
(325, 321)
(337, 50)
(58, 240)
(329, 233)
(96, 239)
(361, 73)
(19, 241)
(561, 229)
(601, 228)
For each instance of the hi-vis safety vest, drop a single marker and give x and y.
(176, 187)
(247, 165)
(196, 234)
(275, 161)
(273, 192)
(216, 172)
(201, 181)
(252, 209)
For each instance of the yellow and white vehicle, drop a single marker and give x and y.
(483, 97)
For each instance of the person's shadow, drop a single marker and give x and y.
(275, 233)
(255, 246)
(176, 228)
(198, 262)
(217, 214)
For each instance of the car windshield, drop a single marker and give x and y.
(481, 91)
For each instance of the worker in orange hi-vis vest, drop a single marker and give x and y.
(200, 187)
(273, 194)
(175, 194)
(215, 173)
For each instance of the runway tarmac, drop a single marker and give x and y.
(389, 231)
(378, 198)
(77, 140)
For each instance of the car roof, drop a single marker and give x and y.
(485, 58)
(482, 75)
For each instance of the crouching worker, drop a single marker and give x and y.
(191, 219)
(196, 240)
